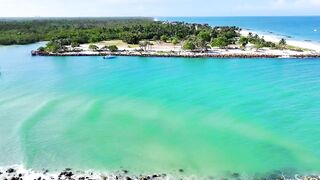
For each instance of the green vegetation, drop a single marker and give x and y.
(75, 44)
(62, 32)
(221, 42)
(80, 30)
(283, 42)
(189, 45)
(216, 36)
(113, 48)
(259, 42)
(42, 49)
(54, 46)
(164, 38)
(93, 47)
(243, 41)
(75, 31)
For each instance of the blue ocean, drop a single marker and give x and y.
(303, 28)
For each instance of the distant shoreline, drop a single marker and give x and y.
(308, 44)
(184, 54)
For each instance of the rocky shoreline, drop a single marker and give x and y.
(19, 173)
(184, 55)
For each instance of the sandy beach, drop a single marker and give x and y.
(273, 38)
(161, 49)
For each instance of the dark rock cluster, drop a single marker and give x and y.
(69, 174)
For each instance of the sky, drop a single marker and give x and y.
(155, 8)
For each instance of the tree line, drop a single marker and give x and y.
(60, 32)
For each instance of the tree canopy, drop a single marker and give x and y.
(221, 42)
(243, 41)
(189, 45)
(113, 48)
(75, 31)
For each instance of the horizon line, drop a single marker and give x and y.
(157, 16)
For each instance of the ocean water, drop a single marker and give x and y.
(144, 114)
(306, 28)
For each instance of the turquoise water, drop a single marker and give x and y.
(205, 116)
(292, 27)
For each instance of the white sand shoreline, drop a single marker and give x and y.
(274, 38)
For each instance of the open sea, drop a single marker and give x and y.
(205, 116)
(302, 28)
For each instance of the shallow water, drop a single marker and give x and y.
(146, 114)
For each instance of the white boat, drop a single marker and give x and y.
(109, 57)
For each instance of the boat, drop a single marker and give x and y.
(109, 57)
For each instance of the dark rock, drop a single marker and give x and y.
(20, 175)
(68, 169)
(14, 178)
(10, 170)
(181, 170)
(235, 175)
(128, 178)
(156, 175)
(81, 178)
(69, 174)
(125, 171)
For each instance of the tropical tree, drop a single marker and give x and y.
(282, 43)
(113, 48)
(93, 47)
(221, 42)
(164, 38)
(53, 46)
(258, 46)
(104, 48)
(204, 36)
(243, 41)
(189, 45)
(41, 49)
(130, 38)
(175, 41)
(75, 44)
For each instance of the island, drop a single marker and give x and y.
(143, 37)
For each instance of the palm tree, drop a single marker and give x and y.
(283, 42)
